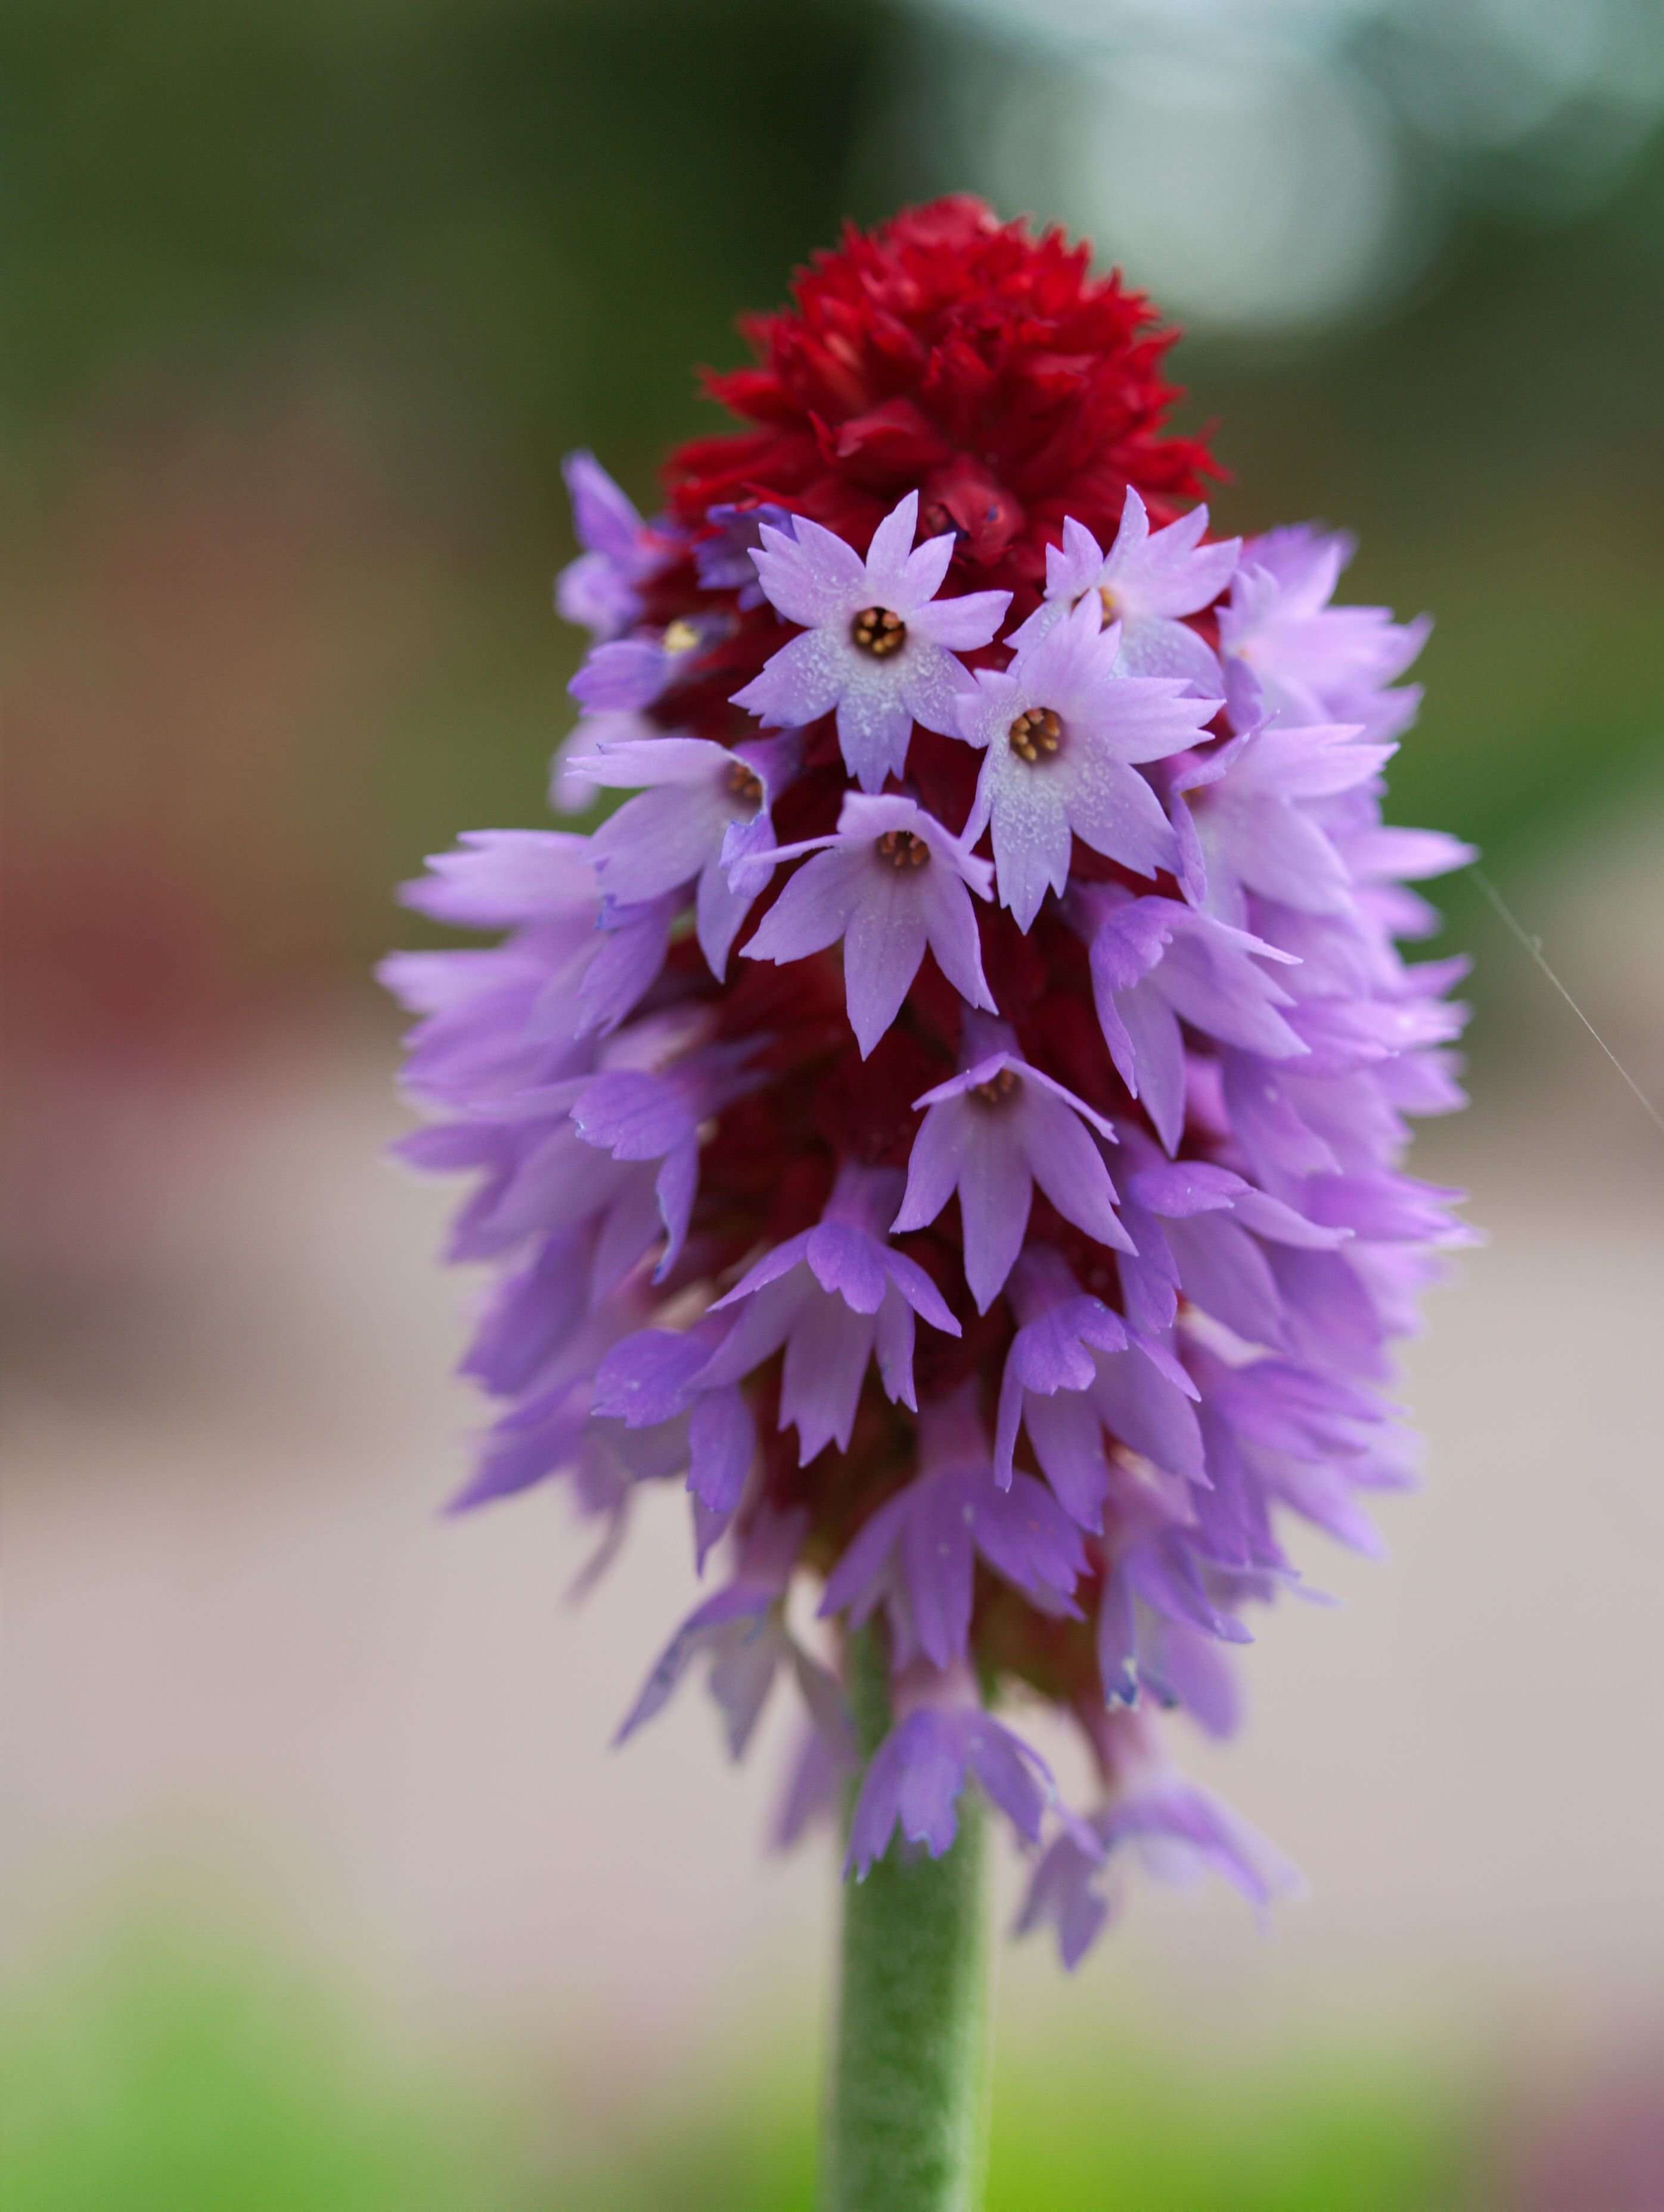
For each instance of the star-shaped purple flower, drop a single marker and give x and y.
(651, 1120)
(699, 808)
(625, 674)
(648, 1384)
(877, 644)
(1156, 963)
(1314, 662)
(1060, 732)
(892, 883)
(723, 558)
(994, 1132)
(918, 1554)
(1243, 822)
(1204, 1226)
(1145, 581)
(600, 590)
(832, 1296)
(1178, 1831)
(1073, 1370)
(921, 1767)
(742, 1629)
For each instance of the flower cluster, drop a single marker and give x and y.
(949, 1117)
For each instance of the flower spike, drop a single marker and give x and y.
(900, 936)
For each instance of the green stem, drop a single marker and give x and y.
(904, 2116)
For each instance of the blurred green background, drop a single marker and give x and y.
(303, 304)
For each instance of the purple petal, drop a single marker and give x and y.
(936, 1566)
(625, 675)
(845, 1258)
(1114, 810)
(933, 1775)
(813, 911)
(498, 878)
(876, 717)
(810, 575)
(1117, 1640)
(995, 1193)
(852, 1583)
(648, 1377)
(802, 682)
(920, 1292)
(933, 1166)
(633, 1115)
(740, 1603)
(1015, 1777)
(963, 623)
(1148, 1413)
(893, 1342)
(722, 1442)
(1224, 1271)
(1067, 1165)
(659, 841)
(1025, 1535)
(883, 948)
(1063, 1890)
(826, 1357)
(626, 963)
(605, 518)
(887, 562)
(1068, 1442)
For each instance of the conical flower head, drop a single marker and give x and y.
(948, 1118)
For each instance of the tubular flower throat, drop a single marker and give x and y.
(949, 1118)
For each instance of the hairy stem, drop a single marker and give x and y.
(904, 2119)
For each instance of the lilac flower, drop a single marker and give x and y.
(1180, 1833)
(542, 1174)
(832, 1297)
(1074, 1371)
(1244, 824)
(891, 882)
(1203, 1227)
(570, 790)
(1144, 582)
(993, 1133)
(1309, 1443)
(1054, 1351)
(877, 644)
(540, 1350)
(1061, 732)
(625, 961)
(493, 1023)
(919, 1770)
(638, 1116)
(1167, 1608)
(653, 1382)
(626, 674)
(917, 1555)
(1314, 662)
(723, 558)
(704, 807)
(742, 1632)
(600, 590)
(813, 1787)
(1156, 965)
(503, 879)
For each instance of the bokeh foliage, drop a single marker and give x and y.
(172, 2070)
(470, 236)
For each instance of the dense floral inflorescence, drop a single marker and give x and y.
(949, 1116)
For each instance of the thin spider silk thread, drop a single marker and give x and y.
(1534, 946)
(1614, 1494)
